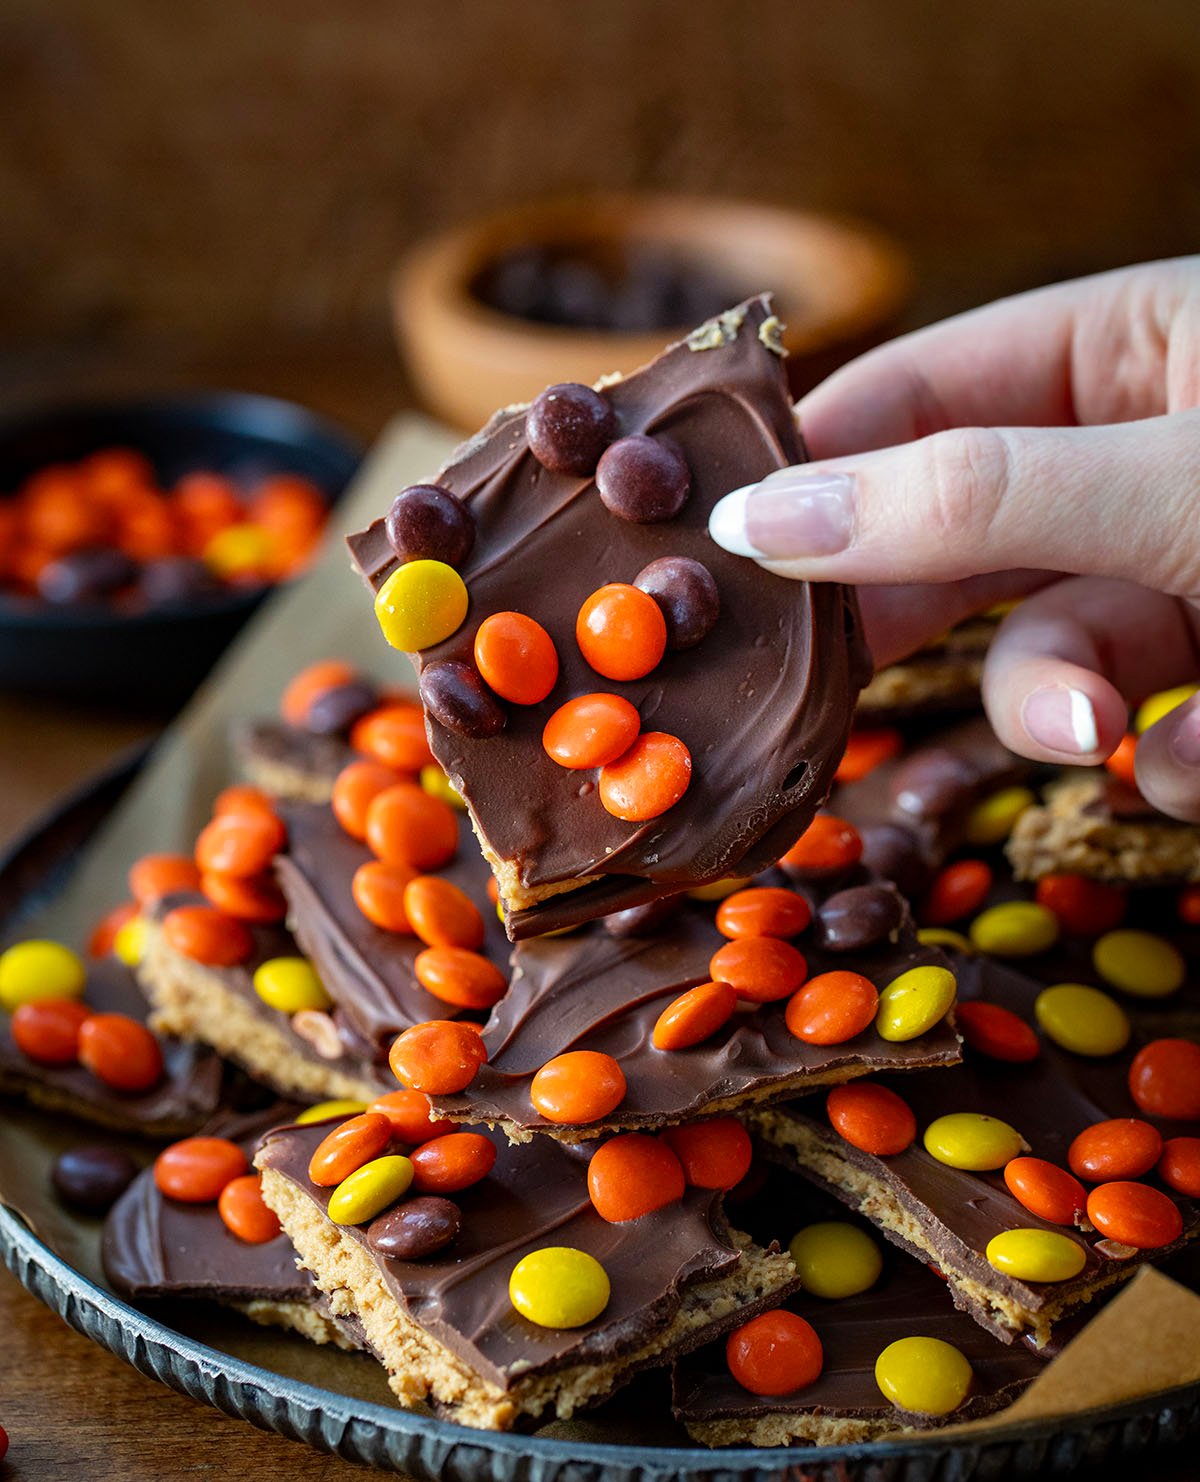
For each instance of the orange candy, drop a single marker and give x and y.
(1188, 905)
(828, 846)
(866, 750)
(156, 875)
(439, 1058)
(763, 911)
(355, 789)
(591, 731)
(444, 1165)
(761, 969)
(632, 1175)
(1164, 1079)
(394, 735)
(121, 1052)
(409, 1114)
(1134, 1214)
(207, 935)
(1120, 763)
(195, 1170)
(378, 892)
(256, 898)
(714, 1154)
(104, 933)
(871, 1117)
(516, 657)
(348, 1146)
(1045, 1189)
(240, 1205)
(959, 890)
(832, 1008)
(242, 798)
(441, 914)
(405, 826)
(621, 632)
(1179, 1166)
(1084, 907)
(693, 1016)
(579, 1087)
(774, 1354)
(47, 1030)
(1121, 1147)
(996, 1032)
(648, 779)
(326, 674)
(241, 844)
(457, 976)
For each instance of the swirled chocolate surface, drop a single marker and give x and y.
(763, 702)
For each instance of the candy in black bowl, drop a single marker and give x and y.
(151, 653)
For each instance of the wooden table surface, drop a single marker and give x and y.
(71, 1409)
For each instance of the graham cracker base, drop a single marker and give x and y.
(281, 780)
(296, 1317)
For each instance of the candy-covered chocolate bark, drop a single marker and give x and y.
(942, 676)
(580, 528)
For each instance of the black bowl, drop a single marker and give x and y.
(152, 661)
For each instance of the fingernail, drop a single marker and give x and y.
(1061, 719)
(790, 515)
(1184, 742)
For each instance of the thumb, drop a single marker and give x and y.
(1107, 501)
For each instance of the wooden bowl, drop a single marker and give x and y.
(838, 286)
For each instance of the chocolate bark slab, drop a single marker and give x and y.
(940, 677)
(219, 1006)
(948, 1215)
(185, 1098)
(595, 990)
(444, 1326)
(155, 1248)
(289, 762)
(763, 702)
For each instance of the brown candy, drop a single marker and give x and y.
(415, 1229)
(932, 783)
(457, 698)
(645, 920)
(568, 427)
(85, 576)
(428, 523)
(859, 917)
(687, 595)
(92, 1178)
(892, 851)
(643, 479)
(333, 711)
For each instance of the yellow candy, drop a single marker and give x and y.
(325, 1109)
(923, 1376)
(559, 1287)
(290, 984)
(1138, 962)
(129, 944)
(1014, 929)
(438, 785)
(718, 889)
(1152, 710)
(1081, 1019)
(420, 604)
(239, 548)
(991, 821)
(914, 1002)
(1036, 1255)
(34, 970)
(942, 936)
(835, 1260)
(999, 610)
(370, 1189)
(972, 1141)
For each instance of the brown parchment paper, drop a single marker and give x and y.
(1146, 1339)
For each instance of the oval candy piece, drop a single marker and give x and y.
(1082, 1019)
(455, 695)
(568, 426)
(1036, 1255)
(370, 1189)
(421, 604)
(1014, 929)
(834, 1259)
(924, 1376)
(1139, 962)
(643, 479)
(851, 920)
(687, 595)
(427, 522)
(559, 1287)
(416, 1229)
(914, 1002)
(972, 1141)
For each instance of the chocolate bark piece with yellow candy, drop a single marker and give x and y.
(537, 1305)
(589, 516)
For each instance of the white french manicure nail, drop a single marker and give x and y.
(727, 523)
(1061, 718)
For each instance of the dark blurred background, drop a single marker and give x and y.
(216, 192)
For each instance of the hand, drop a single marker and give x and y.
(1047, 445)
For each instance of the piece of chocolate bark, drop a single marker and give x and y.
(154, 1247)
(946, 1214)
(289, 762)
(444, 1325)
(939, 678)
(745, 713)
(604, 987)
(185, 1097)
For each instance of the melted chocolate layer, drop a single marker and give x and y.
(763, 703)
(596, 991)
(319, 758)
(185, 1098)
(535, 1196)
